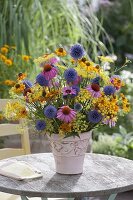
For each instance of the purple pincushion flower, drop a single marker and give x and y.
(70, 75)
(41, 80)
(77, 51)
(94, 116)
(109, 90)
(40, 125)
(50, 111)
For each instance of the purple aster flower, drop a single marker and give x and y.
(94, 89)
(68, 91)
(70, 75)
(27, 84)
(94, 116)
(41, 80)
(77, 51)
(40, 125)
(78, 107)
(109, 90)
(66, 114)
(50, 112)
(49, 71)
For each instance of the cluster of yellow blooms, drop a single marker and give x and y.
(107, 106)
(15, 111)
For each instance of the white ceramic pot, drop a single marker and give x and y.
(69, 152)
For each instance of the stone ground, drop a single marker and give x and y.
(40, 144)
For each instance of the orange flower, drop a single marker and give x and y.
(9, 82)
(60, 52)
(2, 57)
(21, 76)
(26, 58)
(4, 50)
(8, 62)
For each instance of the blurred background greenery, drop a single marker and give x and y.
(104, 27)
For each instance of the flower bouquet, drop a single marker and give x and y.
(70, 96)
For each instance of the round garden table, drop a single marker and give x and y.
(103, 175)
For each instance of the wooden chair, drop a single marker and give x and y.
(9, 130)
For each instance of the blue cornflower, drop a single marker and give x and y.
(50, 111)
(27, 84)
(40, 125)
(77, 51)
(77, 89)
(70, 75)
(41, 80)
(94, 116)
(109, 90)
(96, 80)
(78, 107)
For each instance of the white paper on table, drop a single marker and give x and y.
(19, 170)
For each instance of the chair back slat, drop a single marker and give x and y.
(13, 129)
(9, 129)
(10, 152)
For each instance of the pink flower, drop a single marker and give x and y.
(66, 114)
(94, 89)
(50, 71)
(54, 60)
(68, 90)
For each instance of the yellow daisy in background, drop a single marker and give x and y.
(60, 52)
(8, 62)
(9, 82)
(26, 58)
(2, 57)
(18, 88)
(4, 50)
(21, 76)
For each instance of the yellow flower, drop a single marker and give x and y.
(61, 66)
(15, 111)
(18, 88)
(66, 127)
(8, 62)
(106, 59)
(60, 52)
(9, 82)
(83, 96)
(36, 93)
(107, 106)
(21, 76)
(26, 58)
(125, 104)
(4, 50)
(44, 58)
(2, 57)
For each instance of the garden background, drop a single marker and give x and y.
(30, 28)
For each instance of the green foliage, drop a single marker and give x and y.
(41, 25)
(120, 144)
(118, 21)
